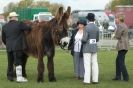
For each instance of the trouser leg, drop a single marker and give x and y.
(95, 70)
(118, 70)
(122, 54)
(87, 67)
(81, 67)
(18, 56)
(76, 58)
(24, 61)
(18, 62)
(10, 67)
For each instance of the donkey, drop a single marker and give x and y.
(41, 41)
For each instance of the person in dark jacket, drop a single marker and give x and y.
(75, 46)
(14, 39)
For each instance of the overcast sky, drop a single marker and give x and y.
(75, 4)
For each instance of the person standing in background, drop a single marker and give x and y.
(89, 40)
(122, 47)
(75, 46)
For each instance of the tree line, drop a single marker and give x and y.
(111, 5)
(52, 7)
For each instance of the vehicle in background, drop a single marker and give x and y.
(112, 25)
(127, 10)
(43, 16)
(99, 25)
(100, 16)
(2, 20)
(28, 13)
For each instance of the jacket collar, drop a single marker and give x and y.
(12, 21)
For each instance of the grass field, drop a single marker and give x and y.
(64, 72)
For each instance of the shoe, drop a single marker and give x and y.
(126, 80)
(116, 79)
(10, 78)
(21, 80)
(95, 82)
(86, 83)
(80, 78)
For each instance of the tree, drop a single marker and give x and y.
(29, 3)
(9, 8)
(25, 3)
(114, 3)
(51, 6)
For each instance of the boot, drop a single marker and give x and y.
(20, 78)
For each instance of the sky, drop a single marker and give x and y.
(75, 4)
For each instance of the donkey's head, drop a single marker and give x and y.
(63, 19)
(65, 22)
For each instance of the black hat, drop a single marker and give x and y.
(82, 21)
(90, 17)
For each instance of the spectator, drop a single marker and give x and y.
(122, 46)
(75, 46)
(90, 39)
(14, 39)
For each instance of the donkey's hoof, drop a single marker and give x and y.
(40, 80)
(52, 80)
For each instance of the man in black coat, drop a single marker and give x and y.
(14, 38)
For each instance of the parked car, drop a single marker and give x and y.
(100, 15)
(43, 16)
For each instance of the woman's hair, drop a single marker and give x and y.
(120, 16)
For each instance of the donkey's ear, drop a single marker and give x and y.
(59, 13)
(69, 10)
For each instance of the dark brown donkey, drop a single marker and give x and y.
(41, 42)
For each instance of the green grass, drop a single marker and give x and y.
(64, 72)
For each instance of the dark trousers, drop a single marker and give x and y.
(14, 58)
(120, 65)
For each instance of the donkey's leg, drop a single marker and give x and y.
(50, 66)
(40, 69)
(24, 61)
